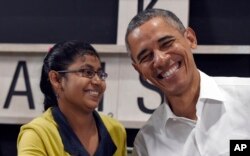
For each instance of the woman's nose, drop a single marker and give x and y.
(96, 79)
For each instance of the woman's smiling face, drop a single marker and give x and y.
(81, 92)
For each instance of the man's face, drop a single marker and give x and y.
(162, 55)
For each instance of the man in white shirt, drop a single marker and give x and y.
(201, 114)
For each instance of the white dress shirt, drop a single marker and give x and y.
(223, 111)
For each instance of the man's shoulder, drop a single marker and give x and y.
(226, 80)
(234, 85)
(234, 89)
(235, 81)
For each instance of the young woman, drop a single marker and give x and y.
(73, 83)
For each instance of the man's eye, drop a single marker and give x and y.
(147, 57)
(166, 45)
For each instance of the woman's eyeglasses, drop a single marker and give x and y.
(89, 73)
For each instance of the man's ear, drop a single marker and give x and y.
(190, 35)
(55, 79)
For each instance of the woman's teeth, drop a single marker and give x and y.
(93, 93)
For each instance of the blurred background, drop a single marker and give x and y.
(217, 23)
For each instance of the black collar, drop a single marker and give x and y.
(72, 144)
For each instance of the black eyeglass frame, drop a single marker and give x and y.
(84, 73)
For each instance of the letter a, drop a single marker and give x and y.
(237, 147)
(28, 92)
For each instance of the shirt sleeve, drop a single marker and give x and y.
(139, 146)
(30, 144)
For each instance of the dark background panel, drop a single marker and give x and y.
(224, 64)
(50, 21)
(8, 136)
(223, 22)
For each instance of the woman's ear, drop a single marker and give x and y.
(190, 35)
(55, 80)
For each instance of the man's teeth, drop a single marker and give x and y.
(91, 92)
(170, 71)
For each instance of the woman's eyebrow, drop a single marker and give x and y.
(90, 66)
(86, 66)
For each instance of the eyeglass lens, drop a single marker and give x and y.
(91, 73)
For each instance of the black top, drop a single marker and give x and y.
(73, 145)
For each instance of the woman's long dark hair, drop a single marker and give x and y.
(59, 57)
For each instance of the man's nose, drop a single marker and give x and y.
(161, 59)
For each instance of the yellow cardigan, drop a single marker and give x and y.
(41, 137)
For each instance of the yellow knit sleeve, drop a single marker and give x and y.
(30, 144)
(117, 133)
(40, 137)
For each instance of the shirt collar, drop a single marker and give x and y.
(208, 90)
